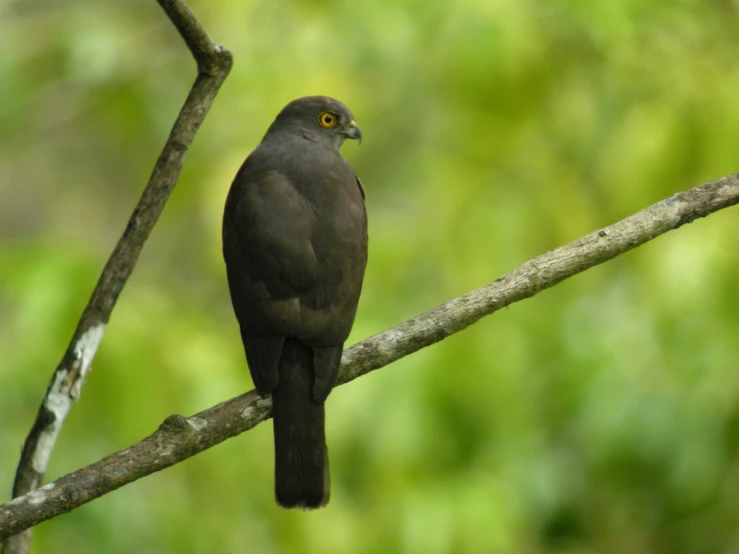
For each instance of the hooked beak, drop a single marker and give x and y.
(353, 131)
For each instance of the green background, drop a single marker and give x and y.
(599, 417)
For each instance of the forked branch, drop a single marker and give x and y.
(214, 63)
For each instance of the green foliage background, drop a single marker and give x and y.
(598, 417)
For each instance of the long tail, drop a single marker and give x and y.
(301, 458)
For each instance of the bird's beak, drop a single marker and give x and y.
(353, 131)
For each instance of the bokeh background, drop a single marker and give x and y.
(598, 417)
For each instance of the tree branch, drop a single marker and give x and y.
(178, 437)
(214, 63)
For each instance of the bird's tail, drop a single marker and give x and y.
(301, 458)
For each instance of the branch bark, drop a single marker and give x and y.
(178, 438)
(213, 63)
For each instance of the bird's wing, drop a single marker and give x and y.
(293, 271)
(270, 263)
(266, 231)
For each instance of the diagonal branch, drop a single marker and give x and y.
(179, 438)
(214, 63)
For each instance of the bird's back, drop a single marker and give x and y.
(297, 217)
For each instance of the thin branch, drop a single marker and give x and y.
(178, 437)
(214, 63)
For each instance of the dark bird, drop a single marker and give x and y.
(295, 246)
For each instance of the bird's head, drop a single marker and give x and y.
(317, 118)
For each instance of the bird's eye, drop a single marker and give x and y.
(327, 119)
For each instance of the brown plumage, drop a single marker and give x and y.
(295, 246)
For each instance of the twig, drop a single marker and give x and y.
(179, 438)
(214, 63)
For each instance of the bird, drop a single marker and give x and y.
(295, 249)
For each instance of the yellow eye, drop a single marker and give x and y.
(327, 119)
